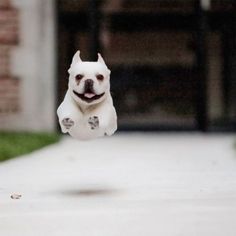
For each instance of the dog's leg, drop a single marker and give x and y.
(112, 127)
(68, 114)
(67, 123)
(93, 122)
(112, 122)
(105, 118)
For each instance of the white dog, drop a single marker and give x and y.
(87, 111)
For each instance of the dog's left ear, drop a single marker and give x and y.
(100, 60)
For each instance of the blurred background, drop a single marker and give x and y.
(173, 68)
(173, 63)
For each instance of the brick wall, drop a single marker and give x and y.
(9, 86)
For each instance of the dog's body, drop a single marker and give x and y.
(87, 111)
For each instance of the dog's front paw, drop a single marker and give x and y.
(67, 123)
(93, 122)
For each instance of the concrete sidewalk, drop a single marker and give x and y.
(126, 185)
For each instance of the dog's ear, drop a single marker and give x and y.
(100, 60)
(76, 58)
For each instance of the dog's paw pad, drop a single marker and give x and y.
(68, 123)
(93, 122)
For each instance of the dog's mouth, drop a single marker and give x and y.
(88, 96)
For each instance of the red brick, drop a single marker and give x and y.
(9, 95)
(4, 60)
(8, 26)
(7, 15)
(6, 79)
(9, 87)
(5, 3)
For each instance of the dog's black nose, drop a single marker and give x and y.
(88, 84)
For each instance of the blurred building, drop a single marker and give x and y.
(28, 64)
(173, 62)
(9, 37)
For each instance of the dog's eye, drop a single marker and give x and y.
(78, 77)
(100, 77)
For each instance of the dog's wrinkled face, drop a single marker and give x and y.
(89, 82)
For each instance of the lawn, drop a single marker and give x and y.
(13, 144)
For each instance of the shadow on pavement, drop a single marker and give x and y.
(89, 192)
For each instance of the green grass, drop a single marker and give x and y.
(14, 144)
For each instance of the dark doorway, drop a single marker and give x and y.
(172, 63)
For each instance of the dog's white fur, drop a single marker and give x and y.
(76, 116)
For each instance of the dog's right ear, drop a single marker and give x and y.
(76, 58)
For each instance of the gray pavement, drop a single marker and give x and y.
(125, 185)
